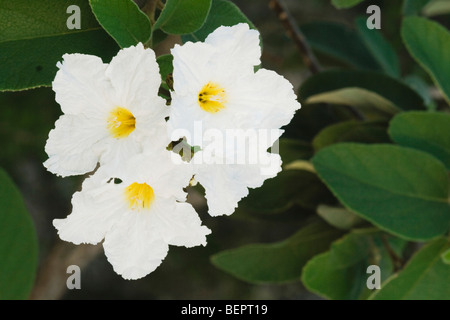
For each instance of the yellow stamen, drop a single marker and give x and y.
(121, 123)
(212, 98)
(139, 195)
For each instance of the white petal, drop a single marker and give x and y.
(161, 169)
(192, 64)
(95, 210)
(266, 99)
(134, 74)
(179, 224)
(116, 152)
(237, 44)
(81, 85)
(134, 246)
(72, 146)
(226, 185)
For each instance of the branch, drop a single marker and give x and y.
(296, 35)
(52, 276)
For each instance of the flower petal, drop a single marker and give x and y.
(95, 210)
(81, 85)
(134, 246)
(237, 45)
(226, 184)
(267, 99)
(72, 145)
(134, 74)
(179, 224)
(161, 169)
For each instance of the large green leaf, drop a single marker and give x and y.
(222, 13)
(429, 43)
(340, 273)
(123, 20)
(380, 49)
(425, 277)
(351, 131)
(387, 87)
(288, 188)
(340, 4)
(424, 131)
(413, 7)
(33, 38)
(183, 16)
(277, 262)
(401, 190)
(339, 42)
(18, 243)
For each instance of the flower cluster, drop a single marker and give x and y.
(115, 125)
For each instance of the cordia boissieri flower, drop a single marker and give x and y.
(218, 93)
(109, 110)
(139, 209)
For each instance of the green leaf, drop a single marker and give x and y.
(339, 42)
(340, 273)
(165, 63)
(437, 7)
(18, 245)
(222, 13)
(423, 131)
(288, 188)
(337, 217)
(372, 105)
(343, 4)
(291, 150)
(380, 49)
(413, 7)
(429, 43)
(277, 262)
(387, 87)
(446, 257)
(422, 88)
(425, 277)
(33, 39)
(183, 16)
(123, 20)
(400, 190)
(351, 131)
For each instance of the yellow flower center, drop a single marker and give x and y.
(139, 195)
(212, 98)
(121, 123)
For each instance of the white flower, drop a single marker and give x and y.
(110, 111)
(215, 84)
(217, 93)
(138, 215)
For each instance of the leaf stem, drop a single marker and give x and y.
(149, 8)
(396, 260)
(296, 35)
